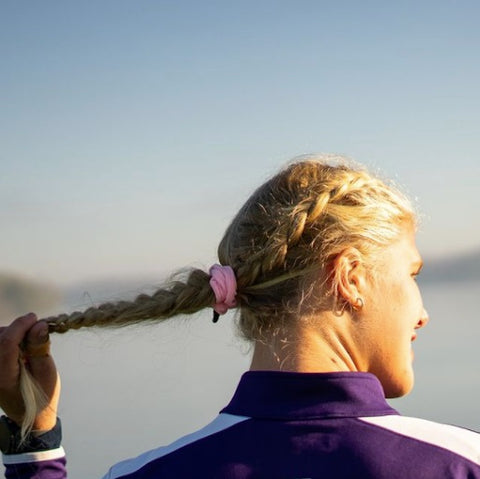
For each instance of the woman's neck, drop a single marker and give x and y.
(309, 349)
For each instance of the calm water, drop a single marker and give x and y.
(131, 390)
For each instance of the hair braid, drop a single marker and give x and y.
(176, 298)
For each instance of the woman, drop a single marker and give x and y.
(321, 264)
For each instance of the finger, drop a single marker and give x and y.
(37, 342)
(17, 330)
(10, 339)
(37, 354)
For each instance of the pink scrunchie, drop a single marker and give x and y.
(224, 286)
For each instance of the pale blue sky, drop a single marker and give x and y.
(131, 131)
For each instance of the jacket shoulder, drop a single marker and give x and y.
(460, 441)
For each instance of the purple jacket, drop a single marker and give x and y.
(298, 426)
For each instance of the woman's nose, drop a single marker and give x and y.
(424, 319)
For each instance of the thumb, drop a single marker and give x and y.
(42, 367)
(37, 342)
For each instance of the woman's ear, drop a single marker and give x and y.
(349, 275)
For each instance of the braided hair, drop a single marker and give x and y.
(280, 245)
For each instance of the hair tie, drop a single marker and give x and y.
(224, 285)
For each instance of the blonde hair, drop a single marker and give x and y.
(280, 245)
(282, 241)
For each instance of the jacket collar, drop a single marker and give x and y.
(290, 395)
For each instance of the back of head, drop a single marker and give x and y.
(282, 241)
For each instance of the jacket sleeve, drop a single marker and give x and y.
(36, 465)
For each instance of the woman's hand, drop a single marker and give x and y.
(26, 339)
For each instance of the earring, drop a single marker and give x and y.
(358, 304)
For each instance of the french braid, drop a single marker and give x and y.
(282, 240)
